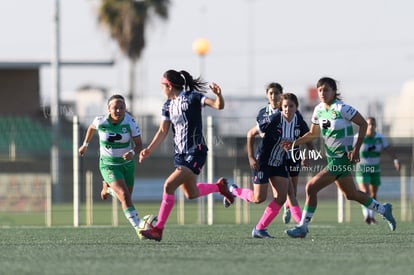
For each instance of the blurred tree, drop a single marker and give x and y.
(126, 21)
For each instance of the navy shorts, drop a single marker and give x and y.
(193, 162)
(262, 176)
(293, 167)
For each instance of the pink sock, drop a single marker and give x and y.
(206, 188)
(243, 193)
(270, 213)
(296, 213)
(167, 205)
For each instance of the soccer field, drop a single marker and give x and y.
(329, 248)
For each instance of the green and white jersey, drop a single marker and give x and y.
(115, 139)
(336, 127)
(370, 152)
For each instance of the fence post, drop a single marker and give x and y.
(237, 203)
(341, 207)
(75, 171)
(115, 211)
(180, 212)
(89, 198)
(403, 193)
(210, 168)
(246, 212)
(49, 202)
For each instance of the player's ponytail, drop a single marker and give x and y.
(192, 84)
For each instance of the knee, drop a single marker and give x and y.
(281, 199)
(311, 189)
(258, 199)
(169, 189)
(191, 196)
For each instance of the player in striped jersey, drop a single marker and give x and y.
(119, 140)
(269, 162)
(333, 119)
(183, 113)
(368, 170)
(291, 208)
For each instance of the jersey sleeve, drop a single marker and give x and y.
(384, 140)
(97, 121)
(165, 112)
(203, 100)
(315, 118)
(348, 112)
(303, 126)
(261, 115)
(135, 131)
(265, 123)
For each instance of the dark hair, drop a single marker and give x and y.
(374, 121)
(183, 80)
(274, 85)
(288, 96)
(120, 97)
(331, 83)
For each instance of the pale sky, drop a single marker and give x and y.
(367, 45)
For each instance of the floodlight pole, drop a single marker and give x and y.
(201, 46)
(54, 104)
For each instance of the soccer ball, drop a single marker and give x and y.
(147, 222)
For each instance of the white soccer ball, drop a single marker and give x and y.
(147, 222)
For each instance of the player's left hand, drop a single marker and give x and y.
(353, 156)
(215, 88)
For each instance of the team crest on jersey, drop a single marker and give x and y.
(333, 115)
(184, 106)
(111, 176)
(297, 132)
(124, 130)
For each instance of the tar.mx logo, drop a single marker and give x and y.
(304, 154)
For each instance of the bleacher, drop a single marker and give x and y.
(27, 135)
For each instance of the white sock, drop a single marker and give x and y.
(365, 211)
(371, 213)
(132, 215)
(376, 206)
(111, 192)
(306, 218)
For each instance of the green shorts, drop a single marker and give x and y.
(111, 173)
(366, 177)
(340, 167)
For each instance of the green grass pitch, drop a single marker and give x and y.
(222, 248)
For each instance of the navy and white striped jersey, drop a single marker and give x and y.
(185, 115)
(266, 111)
(276, 129)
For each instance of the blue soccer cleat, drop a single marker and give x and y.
(261, 234)
(297, 232)
(389, 217)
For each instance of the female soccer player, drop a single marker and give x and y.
(269, 164)
(120, 140)
(182, 110)
(368, 172)
(291, 208)
(334, 119)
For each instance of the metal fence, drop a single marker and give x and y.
(25, 185)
